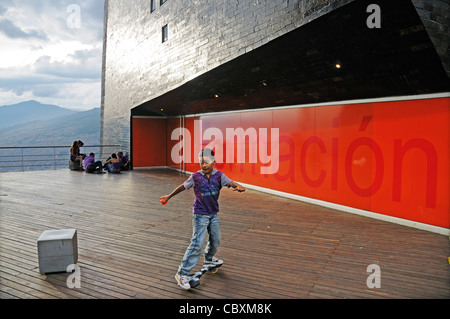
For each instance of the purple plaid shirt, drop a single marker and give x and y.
(207, 191)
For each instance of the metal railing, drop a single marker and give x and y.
(29, 158)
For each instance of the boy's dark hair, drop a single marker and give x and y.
(91, 154)
(206, 152)
(113, 155)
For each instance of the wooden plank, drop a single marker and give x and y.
(130, 245)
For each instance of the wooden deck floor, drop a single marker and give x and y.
(130, 245)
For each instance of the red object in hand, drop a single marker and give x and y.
(162, 201)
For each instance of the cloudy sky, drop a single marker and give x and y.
(51, 52)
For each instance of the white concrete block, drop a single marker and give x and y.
(57, 249)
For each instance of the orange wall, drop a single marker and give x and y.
(390, 158)
(149, 142)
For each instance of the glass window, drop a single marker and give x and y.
(165, 33)
(161, 2)
(152, 5)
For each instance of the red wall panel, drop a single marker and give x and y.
(386, 157)
(149, 142)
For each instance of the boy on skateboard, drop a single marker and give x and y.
(207, 183)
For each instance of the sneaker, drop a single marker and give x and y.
(214, 262)
(183, 281)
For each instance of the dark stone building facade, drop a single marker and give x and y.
(355, 94)
(236, 48)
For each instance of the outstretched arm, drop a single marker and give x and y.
(177, 190)
(237, 187)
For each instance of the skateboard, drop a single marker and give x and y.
(195, 278)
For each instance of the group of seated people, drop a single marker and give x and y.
(114, 164)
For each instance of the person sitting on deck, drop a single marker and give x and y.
(113, 164)
(124, 161)
(75, 155)
(91, 165)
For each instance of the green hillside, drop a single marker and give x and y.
(24, 112)
(55, 132)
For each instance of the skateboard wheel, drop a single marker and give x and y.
(194, 282)
(214, 270)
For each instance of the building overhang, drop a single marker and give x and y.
(333, 58)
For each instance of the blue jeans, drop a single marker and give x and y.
(111, 168)
(201, 224)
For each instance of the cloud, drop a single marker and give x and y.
(63, 91)
(20, 81)
(75, 83)
(43, 57)
(83, 64)
(2, 10)
(12, 31)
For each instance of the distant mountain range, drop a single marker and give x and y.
(34, 124)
